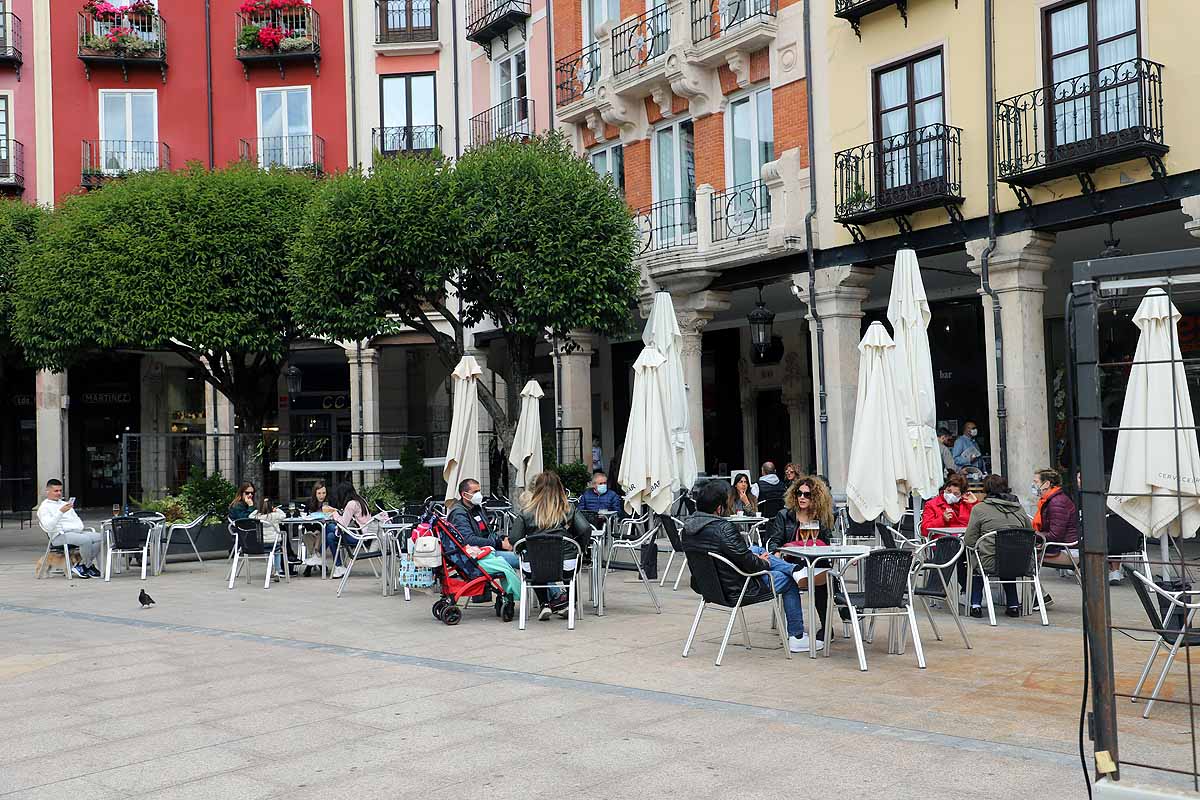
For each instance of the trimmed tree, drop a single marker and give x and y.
(191, 262)
(20, 225)
(522, 234)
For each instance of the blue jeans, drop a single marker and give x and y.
(331, 541)
(785, 586)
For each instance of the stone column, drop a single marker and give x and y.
(1016, 273)
(219, 419)
(577, 395)
(840, 292)
(795, 398)
(693, 312)
(749, 403)
(50, 389)
(364, 408)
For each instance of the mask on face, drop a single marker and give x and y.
(477, 499)
(1035, 490)
(973, 432)
(602, 488)
(950, 497)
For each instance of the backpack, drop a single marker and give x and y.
(426, 547)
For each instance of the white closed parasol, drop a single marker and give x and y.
(526, 453)
(648, 473)
(462, 451)
(662, 333)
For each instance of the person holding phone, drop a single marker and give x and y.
(60, 522)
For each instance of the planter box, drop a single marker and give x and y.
(211, 539)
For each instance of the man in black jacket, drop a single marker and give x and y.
(708, 531)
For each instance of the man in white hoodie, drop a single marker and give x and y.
(769, 488)
(60, 522)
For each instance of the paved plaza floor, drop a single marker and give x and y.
(292, 692)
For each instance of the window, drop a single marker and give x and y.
(128, 131)
(595, 14)
(6, 148)
(512, 90)
(1091, 52)
(674, 174)
(611, 161)
(751, 136)
(285, 127)
(407, 113)
(406, 20)
(910, 117)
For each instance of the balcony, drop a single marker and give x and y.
(10, 41)
(511, 119)
(899, 175)
(576, 75)
(406, 26)
(487, 19)
(721, 25)
(854, 10)
(741, 211)
(1078, 125)
(640, 41)
(296, 152)
(105, 159)
(278, 36)
(417, 139)
(133, 39)
(666, 225)
(12, 166)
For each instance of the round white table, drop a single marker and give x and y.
(811, 557)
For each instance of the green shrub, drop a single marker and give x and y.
(248, 39)
(384, 495)
(211, 493)
(172, 508)
(575, 476)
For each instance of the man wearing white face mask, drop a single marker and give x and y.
(966, 451)
(597, 497)
(470, 519)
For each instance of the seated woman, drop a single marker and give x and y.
(242, 505)
(806, 519)
(741, 501)
(1056, 518)
(545, 509)
(951, 508)
(999, 510)
(318, 503)
(353, 514)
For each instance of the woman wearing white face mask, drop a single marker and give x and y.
(951, 508)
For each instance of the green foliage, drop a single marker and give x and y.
(575, 476)
(20, 225)
(248, 38)
(410, 485)
(191, 261)
(172, 508)
(212, 493)
(384, 495)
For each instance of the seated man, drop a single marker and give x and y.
(708, 531)
(597, 497)
(470, 520)
(60, 522)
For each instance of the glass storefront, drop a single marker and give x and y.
(105, 403)
(18, 438)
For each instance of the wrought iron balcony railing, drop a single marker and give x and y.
(406, 139)
(1073, 126)
(123, 40)
(667, 224)
(898, 175)
(298, 152)
(12, 165)
(400, 21)
(576, 75)
(641, 40)
(854, 10)
(104, 159)
(278, 36)
(511, 119)
(741, 211)
(712, 19)
(487, 19)
(10, 40)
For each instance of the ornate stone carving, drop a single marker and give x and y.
(595, 124)
(663, 98)
(697, 83)
(739, 64)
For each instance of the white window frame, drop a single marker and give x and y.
(608, 151)
(6, 150)
(656, 190)
(753, 96)
(258, 121)
(518, 126)
(129, 118)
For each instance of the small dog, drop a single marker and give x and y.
(52, 560)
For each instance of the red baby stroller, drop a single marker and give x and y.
(454, 577)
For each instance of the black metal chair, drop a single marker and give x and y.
(1016, 562)
(706, 581)
(674, 530)
(127, 536)
(1174, 632)
(938, 562)
(770, 507)
(248, 544)
(543, 564)
(886, 592)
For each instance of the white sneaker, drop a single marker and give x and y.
(1115, 578)
(800, 644)
(312, 561)
(338, 572)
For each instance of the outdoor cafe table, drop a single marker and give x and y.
(811, 556)
(391, 544)
(600, 538)
(745, 525)
(935, 532)
(292, 523)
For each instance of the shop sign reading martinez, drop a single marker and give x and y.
(106, 398)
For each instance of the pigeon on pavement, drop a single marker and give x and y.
(145, 599)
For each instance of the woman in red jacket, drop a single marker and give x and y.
(951, 508)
